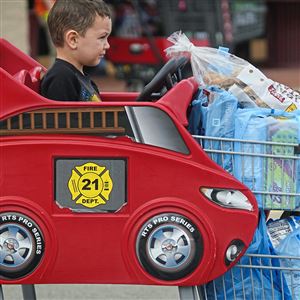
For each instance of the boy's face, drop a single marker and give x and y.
(93, 45)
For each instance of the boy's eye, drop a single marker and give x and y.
(103, 37)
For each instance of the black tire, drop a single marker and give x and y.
(169, 246)
(21, 245)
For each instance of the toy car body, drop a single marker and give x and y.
(111, 192)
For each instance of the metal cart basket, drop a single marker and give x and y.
(270, 169)
(231, 286)
(258, 164)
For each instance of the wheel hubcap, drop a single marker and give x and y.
(169, 247)
(15, 245)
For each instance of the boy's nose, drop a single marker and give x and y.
(107, 45)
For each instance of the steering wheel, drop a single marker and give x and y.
(166, 77)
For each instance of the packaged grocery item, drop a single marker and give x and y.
(285, 237)
(279, 229)
(281, 171)
(270, 170)
(212, 66)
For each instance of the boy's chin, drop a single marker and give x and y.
(94, 63)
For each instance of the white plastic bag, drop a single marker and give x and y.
(212, 66)
(208, 64)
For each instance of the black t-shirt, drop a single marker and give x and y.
(64, 82)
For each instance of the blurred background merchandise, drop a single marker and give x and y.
(264, 32)
(14, 25)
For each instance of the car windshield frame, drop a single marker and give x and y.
(153, 126)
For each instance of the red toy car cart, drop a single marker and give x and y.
(114, 192)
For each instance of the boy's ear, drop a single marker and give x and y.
(71, 39)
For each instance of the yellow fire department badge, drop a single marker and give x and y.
(90, 185)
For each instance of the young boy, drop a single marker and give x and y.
(79, 31)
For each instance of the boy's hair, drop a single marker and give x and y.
(76, 15)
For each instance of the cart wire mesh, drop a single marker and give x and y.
(271, 170)
(257, 276)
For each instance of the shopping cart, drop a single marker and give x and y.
(247, 160)
(259, 267)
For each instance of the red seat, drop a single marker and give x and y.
(31, 78)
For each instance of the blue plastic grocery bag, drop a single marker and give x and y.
(253, 278)
(250, 125)
(212, 116)
(197, 115)
(220, 123)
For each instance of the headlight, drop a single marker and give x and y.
(227, 198)
(234, 249)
